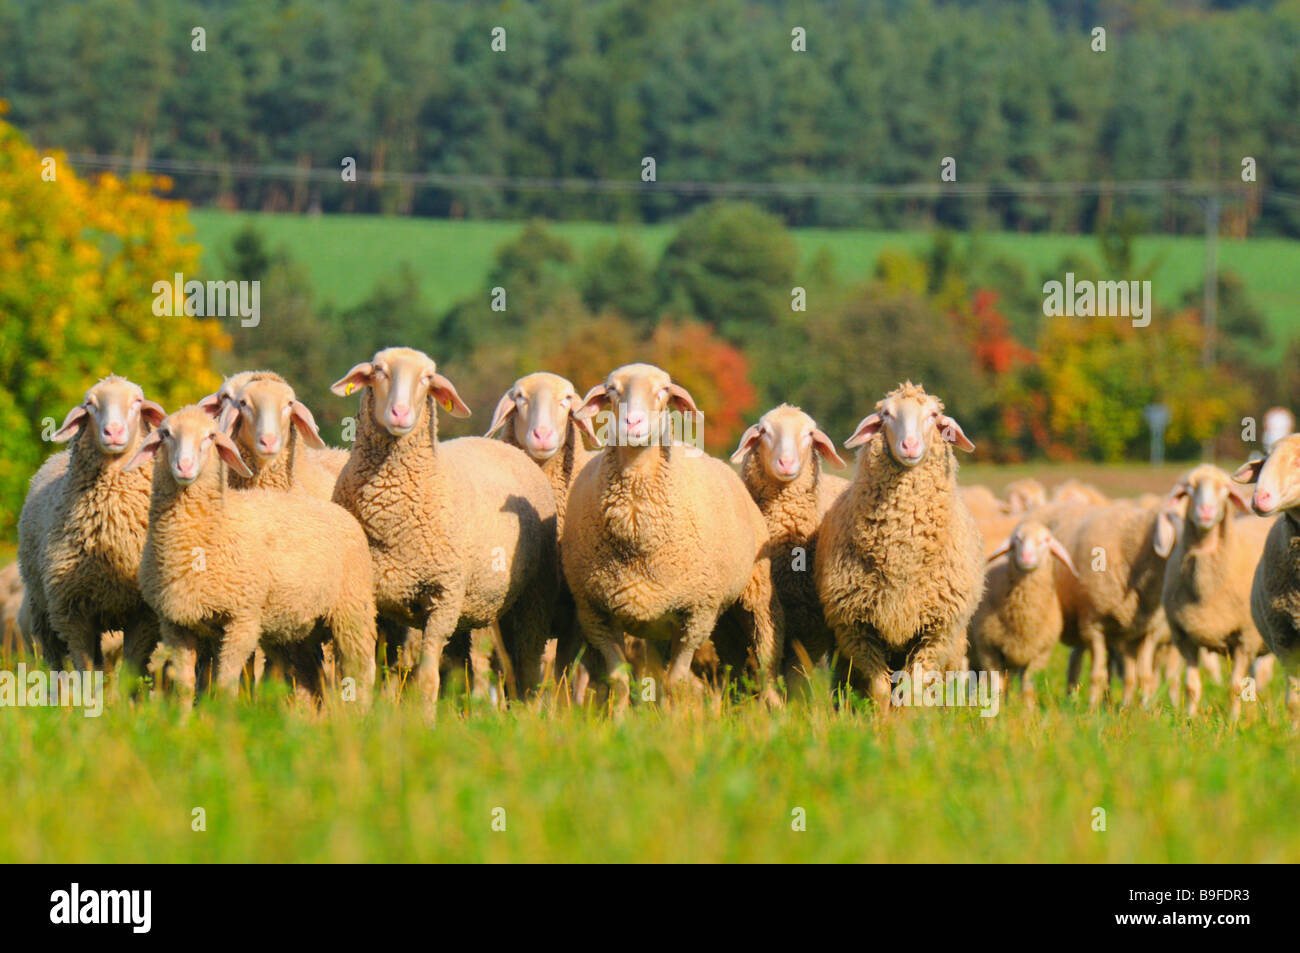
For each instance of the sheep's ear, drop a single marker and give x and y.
(71, 424)
(680, 397)
(1239, 499)
(144, 453)
(1061, 553)
(1004, 547)
(748, 440)
(301, 418)
(229, 453)
(584, 424)
(826, 447)
(868, 428)
(596, 400)
(211, 405)
(445, 393)
(951, 431)
(356, 378)
(1167, 521)
(229, 418)
(152, 413)
(1249, 472)
(505, 407)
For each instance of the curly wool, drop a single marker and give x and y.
(562, 468)
(440, 515)
(273, 567)
(900, 561)
(665, 538)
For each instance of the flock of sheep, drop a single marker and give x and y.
(227, 540)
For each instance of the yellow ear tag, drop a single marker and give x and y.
(349, 389)
(446, 405)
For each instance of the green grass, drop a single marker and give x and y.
(346, 254)
(928, 785)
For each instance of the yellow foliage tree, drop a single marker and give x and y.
(78, 260)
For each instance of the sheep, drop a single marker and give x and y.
(661, 541)
(982, 502)
(536, 415)
(900, 558)
(1019, 619)
(462, 532)
(1206, 593)
(1275, 586)
(261, 411)
(1114, 603)
(779, 465)
(1024, 495)
(1076, 491)
(82, 530)
(241, 569)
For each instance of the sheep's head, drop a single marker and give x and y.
(1024, 495)
(640, 397)
(785, 439)
(400, 379)
(911, 420)
(1208, 491)
(539, 407)
(191, 440)
(1031, 545)
(115, 406)
(260, 414)
(1276, 477)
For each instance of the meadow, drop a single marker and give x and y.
(346, 254)
(686, 784)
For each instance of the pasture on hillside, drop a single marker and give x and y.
(346, 255)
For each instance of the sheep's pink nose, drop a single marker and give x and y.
(1205, 511)
(187, 466)
(636, 420)
(543, 434)
(786, 464)
(401, 414)
(910, 446)
(268, 442)
(1263, 499)
(114, 431)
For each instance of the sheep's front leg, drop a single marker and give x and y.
(182, 655)
(607, 639)
(1240, 668)
(82, 639)
(1146, 669)
(1073, 669)
(866, 663)
(1129, 668)
(439, 627)
(237, 647)
(1192, 659)
(1090, 631)
(766, 622)
(696, 630)
(139, 639)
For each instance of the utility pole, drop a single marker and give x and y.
(1211, 305)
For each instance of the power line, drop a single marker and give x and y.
(447, 180)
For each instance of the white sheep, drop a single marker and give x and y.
(462, 532)
(1206, 592)
(780, 465)
(1019, 619)
(900, 558)
(660, 541)
(241, 568)
(81, 533)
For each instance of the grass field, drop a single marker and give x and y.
(926, 785)
(346, 255)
